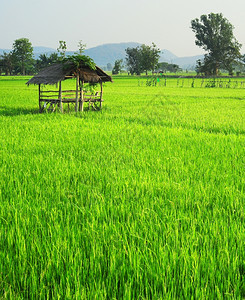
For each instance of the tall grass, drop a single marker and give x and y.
(142, 200)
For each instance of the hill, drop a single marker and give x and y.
(108, 53)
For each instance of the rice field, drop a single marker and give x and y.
(141, 200)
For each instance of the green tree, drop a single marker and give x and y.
(142, 58)
(214, 34)
(133, 60)
(118, 66)
(173, 68)
(44, 60)
(22, 55)
(81, 47)
(7, 63)
(149, 57)
(62, 48)
(163, 66)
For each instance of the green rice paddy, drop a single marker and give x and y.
(142, 200)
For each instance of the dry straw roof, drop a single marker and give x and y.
(58, 72)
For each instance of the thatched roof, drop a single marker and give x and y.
(58, 72)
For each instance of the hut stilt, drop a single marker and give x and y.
(39, 97)
(77, 91)
(101, 94)
(60, 97)
(81, 96)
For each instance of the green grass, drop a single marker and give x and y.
(142, 200)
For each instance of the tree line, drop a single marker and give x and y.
(20, 59)
(213, 33)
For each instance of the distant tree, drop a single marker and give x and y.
(133, 60)
(81, 47)
(7, 63)
(118, 66)
(22, 55)
(109, 67)
(163, 66)
(142, 58)
(173, 68)
(149, 57)
(214, 34)
(62, 48)
(44, 60)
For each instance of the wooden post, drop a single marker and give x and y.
(60, 97)
(101, 94)
(39, 97)
(81, 109)
(77, 87)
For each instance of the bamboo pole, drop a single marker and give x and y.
(77, 87)
(60, 97)
(101, 93)
(82, 96)
(39, 97)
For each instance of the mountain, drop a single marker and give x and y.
(187, 62)
(42, 50)
(167, 56)
(102, 55)
(108, 53)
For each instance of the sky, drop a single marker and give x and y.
(97, 22)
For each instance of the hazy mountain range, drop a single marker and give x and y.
(108, 53)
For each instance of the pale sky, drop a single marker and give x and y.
(96, 22)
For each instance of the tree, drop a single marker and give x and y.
(142, 58)
(163, 66)
(6, 63)
(214, 34)
(173, 68)
(44, 61)
(133, 60)
(81, 47)
(149, 57)
(118, 66)
(22, 55)
(62, 48)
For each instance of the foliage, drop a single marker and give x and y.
(90, 88)
(118, 66)
(173, 68)
(214, 34)
(20, 59)
(142, 58)
(22, 55)
(149, 57)
(6, 63)
(62, 48)
(78, 60)
(81, 47)
(44, 60)
(133, 60)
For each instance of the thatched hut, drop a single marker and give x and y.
(56, 73)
